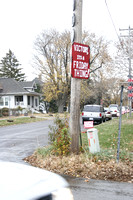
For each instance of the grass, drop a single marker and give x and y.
(28, 119)
(108, 139)
(19, 120)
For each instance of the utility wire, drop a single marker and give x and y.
(113, 23)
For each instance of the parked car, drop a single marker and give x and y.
(24, 182)
(108, 113)
(123, 110)
(94, 113)
(114, 108)
(127, 109)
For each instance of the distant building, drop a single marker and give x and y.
(14, 94)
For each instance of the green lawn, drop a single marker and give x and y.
(108, 138)
(19, 120)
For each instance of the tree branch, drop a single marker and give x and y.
(97, 68)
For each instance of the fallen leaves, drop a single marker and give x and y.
(80, 166)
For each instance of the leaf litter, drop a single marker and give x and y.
(81, 166)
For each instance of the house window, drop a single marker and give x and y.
(32, 101)
(1, 101)
(36, 102)
(18, 99)
(6, 101)
(28, 100)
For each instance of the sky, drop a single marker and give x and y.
(21, 21)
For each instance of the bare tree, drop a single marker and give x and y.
(122, 56)
(52, 59)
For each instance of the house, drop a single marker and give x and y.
(14, 94)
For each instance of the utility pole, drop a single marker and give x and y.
(120, 118)
(75, 82)
(130, 69)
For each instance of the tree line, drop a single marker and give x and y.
(52, 60)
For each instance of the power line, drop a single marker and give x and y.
(113, 22)
(122, 47)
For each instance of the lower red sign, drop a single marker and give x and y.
(88, 124)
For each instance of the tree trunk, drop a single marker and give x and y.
(60, 108)
(60, 104)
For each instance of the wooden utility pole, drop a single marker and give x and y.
(75, 83)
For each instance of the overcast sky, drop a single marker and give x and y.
(22, 20)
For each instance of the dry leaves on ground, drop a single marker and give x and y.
(79, 166)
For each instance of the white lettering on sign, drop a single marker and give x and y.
(81, 73)
(80, 65)
(79, 57)
(80, 48)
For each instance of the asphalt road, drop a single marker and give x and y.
(19, 141)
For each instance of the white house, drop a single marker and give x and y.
(14, 94)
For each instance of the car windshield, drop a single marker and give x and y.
(113, 108)
(91, 109)
(113, 105)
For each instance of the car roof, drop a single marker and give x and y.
(113, 105)
(93, 105)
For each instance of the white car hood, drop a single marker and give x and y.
(21, 182)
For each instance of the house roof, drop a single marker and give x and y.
(38, 81)
(11, 86)
(27, 84)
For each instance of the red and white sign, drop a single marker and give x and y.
(130, 80)
(130, 88)
(80, 61)
(130, 95)
(88, 124)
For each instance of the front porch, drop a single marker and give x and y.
(23, 101)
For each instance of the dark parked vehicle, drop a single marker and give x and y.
(94, 113)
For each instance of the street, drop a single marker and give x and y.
(19, 141)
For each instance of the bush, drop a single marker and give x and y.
(59, 136)
(19, 108)
(5, 112)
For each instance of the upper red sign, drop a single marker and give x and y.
(80, 61)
